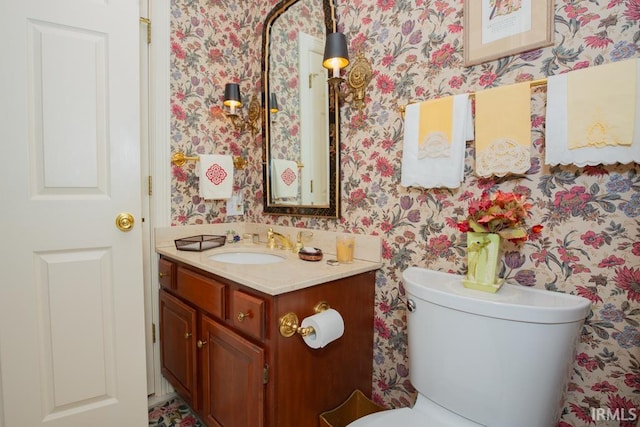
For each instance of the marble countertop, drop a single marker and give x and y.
(289, 275)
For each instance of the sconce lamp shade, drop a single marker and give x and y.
(336, 55)
(273, 104)
(232, 95)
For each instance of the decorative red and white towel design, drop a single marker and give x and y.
(285, 179)
(216, 176)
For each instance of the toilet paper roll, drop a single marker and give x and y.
(328, 326)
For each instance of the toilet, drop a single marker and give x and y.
(482, 359)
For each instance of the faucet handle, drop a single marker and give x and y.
(303, 234)
(271, 239)
(300, 237)
(299, 244)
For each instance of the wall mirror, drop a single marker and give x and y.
(301, 123)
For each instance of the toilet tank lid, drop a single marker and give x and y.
(511, 302)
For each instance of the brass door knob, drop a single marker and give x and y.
(187, 335)
(124, 221)
(201, 343)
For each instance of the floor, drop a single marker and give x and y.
(173, 413)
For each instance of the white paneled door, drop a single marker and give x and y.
(72, 344)
(314, 121)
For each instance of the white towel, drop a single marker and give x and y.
(557, 149)
(443, 169)
(285, 179)
(216, 176)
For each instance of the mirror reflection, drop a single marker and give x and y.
(299, 125)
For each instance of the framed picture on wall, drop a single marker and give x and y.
(497, 28)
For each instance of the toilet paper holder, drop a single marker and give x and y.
(290, 324)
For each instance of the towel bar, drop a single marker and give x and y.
(533, 83)
(179, 159)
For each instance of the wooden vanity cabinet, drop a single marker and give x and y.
(237, 370)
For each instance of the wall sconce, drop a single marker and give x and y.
(273, 106)
(233, 101)
(336, 57)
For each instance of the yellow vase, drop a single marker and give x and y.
(483, 257)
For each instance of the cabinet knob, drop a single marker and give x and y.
(201, 343)
(241, 316)
(187, 335)
(161, 275)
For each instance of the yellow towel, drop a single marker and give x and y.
(601, 105)
(557, 151)
(439, 162)
(435, 129)
(503, 130)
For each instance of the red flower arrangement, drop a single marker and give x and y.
(501, 213)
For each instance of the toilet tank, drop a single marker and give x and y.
(500, 360)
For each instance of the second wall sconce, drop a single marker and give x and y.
(336, 57)
(273, 107)
(233, 101)
(273, 104)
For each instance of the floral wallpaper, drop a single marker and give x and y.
(590, 243)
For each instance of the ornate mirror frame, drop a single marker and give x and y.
(270, 207)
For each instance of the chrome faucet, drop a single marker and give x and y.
(285, 243)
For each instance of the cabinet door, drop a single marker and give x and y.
(232, 378)
(177, 348)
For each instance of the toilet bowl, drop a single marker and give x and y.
(481, 359)
(423, 413)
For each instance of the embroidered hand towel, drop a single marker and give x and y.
(216, 176)
(503, 130)
(435, 128)
(435, 132)
(604, 113)
(285, 179)
(558, 146)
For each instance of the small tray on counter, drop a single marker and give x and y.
(200, 243)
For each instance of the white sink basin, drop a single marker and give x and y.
(246, 258)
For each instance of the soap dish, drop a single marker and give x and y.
(310, 254)
(200, 243)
